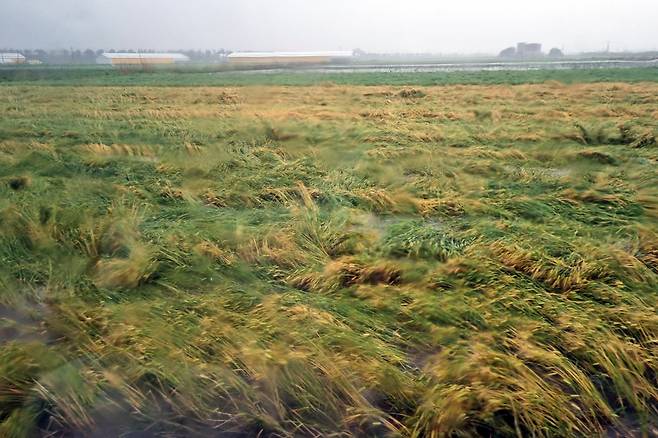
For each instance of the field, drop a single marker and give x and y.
(200, 75)
(329, 260)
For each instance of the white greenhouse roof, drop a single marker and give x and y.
(11, 55)
(334, 54)
(177, 56)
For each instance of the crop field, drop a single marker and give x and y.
(329, 260)
(209, 75)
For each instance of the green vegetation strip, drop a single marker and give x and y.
(95, 76)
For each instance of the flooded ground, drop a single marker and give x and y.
(466, 67)
(20, 325)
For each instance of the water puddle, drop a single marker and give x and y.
(457, 67)
(20, 326)
(25, 322)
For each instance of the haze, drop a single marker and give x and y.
(465, 26)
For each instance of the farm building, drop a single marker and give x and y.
(268, 58)
(12, 58)
(141, 58)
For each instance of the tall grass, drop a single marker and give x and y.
(329, 260)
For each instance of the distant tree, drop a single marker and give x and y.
(555, 53)
(509, 52)
(59, 56)
(358, 52)
(41, 55)
(88, 56)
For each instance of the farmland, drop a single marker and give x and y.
(352, 257)
(208, 75)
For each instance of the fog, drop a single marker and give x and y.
(464, 26)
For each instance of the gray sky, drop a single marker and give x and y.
(466, 26)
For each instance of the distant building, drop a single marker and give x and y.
(271, 58)
(555, 53)
(125, 59)
(528, 50)
(12, 58)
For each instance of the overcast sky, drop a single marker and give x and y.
(440, 26)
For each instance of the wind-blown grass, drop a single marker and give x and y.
(329, 260)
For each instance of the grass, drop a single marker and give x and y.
(329, 260)
(210, 76)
